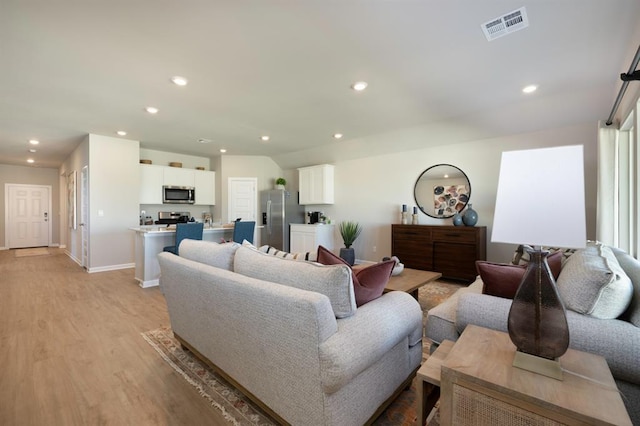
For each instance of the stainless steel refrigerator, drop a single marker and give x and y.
(279, 209)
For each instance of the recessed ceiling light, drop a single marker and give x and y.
(30, 160)
(530, 89)
(264, 138)
(359, 86)
(338, 136)
(180, 81)
(151, 110)
(32, 150)
(222, 150)
(121, 133)
(34, 142)
(446, 176)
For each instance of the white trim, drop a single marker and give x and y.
(111, 268)
(148, 283)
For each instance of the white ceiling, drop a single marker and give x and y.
(283, 68)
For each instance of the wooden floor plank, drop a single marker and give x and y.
(72, 354)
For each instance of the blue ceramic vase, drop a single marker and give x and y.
(457, 220)
(470, 216)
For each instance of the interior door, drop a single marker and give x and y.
(243, 199)
(28, 222)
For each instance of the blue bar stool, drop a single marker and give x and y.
(192, 231)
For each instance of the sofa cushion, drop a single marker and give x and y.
(631, 267)
(521, 256)
(368, 282)
(209, 253)
(592, 282)
(334, 282)
(503, 280)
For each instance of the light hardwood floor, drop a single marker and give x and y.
(71, 352)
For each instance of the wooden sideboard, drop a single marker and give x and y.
(450, 250)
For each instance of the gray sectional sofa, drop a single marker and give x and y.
(289, 334)
(617, 340)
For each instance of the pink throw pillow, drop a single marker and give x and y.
(369, 282)
(503, 280)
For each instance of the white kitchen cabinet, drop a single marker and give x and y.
(316, 184)
(205, 184)
(151, 181)
(304, 238)
(177, 176)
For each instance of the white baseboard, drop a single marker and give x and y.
(111, 268)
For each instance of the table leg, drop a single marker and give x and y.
(427, 398)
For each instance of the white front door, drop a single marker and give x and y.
(242, 198)
(28, 223)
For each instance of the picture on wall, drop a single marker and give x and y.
(71, 198)
(450, 199)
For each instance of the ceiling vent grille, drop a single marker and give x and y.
(506, 24)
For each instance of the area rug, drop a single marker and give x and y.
(38, 251)
(239, 410)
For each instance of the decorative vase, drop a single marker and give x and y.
(457, 220)
(414, 219)
(470, 216)
(279, 186)
(348, 254)
(405, 218)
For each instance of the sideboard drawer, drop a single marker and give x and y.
(454, 235)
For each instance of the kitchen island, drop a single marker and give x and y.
(151, 239)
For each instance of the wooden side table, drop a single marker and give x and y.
(479, 386)
(428, 387)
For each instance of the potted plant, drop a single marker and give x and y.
(349, 231)
(280, 183)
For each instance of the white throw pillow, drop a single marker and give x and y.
(592, 282)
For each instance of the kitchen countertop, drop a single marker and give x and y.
(163, 229)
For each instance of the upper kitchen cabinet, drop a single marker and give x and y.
(151, 181)
(177, 176)
(316, 184)
(205, 183)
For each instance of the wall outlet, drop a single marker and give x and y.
(375, 249)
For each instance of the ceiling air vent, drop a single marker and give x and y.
(506, 24)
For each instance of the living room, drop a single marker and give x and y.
(376, 165)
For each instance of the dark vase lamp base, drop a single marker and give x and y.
(537, 320)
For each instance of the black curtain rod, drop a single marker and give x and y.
(626, 78)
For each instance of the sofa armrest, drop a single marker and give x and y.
(368, 335)
(615, 340)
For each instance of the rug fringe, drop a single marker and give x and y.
(196, 385)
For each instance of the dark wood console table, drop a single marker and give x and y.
(450, 250)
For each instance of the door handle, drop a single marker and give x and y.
(269, 217)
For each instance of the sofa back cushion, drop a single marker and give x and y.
(335, 282)
(631, 267)
(209, 253)
(592, 282)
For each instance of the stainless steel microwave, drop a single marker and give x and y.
(178, 194)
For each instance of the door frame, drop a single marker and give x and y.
(7, 209)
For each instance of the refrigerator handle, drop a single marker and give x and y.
(268, 217)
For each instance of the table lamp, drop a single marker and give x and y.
(540, 202)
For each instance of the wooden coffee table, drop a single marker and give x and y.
(410, 280)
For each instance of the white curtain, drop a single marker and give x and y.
(607, 207)
(617, 205)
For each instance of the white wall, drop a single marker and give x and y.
(32, 176)
(114, 176)
(371, 190)
(72, 238)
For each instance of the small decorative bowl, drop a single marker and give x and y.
(397, 270)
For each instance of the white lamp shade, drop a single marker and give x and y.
(540, 198)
